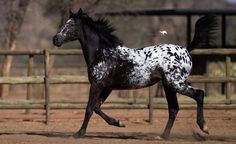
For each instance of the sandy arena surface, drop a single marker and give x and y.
(18, 128)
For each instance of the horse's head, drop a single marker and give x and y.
(89, 32)
(69, 31)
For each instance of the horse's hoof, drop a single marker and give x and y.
(120, 124)
(78, 135)
(205, 129)
(164, 136)
(159, 138)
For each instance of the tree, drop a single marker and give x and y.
(14, 12)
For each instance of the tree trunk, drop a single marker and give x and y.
(4, 89)
(15, 16)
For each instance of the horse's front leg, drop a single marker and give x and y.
(95, 91)
(111, 121)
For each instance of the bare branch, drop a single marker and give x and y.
(92, 4)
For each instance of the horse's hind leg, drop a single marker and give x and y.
(173, 108)
(198, 96)
(111, 121)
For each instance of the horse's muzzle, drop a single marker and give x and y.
(56, 41)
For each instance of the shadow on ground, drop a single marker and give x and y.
(127, 135)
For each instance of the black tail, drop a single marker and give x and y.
(205, 30)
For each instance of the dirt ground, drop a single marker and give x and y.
(18, 128)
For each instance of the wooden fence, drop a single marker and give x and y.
(48, 79)
(188, 13)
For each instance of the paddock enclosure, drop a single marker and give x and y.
(47, 80)
(143, 113)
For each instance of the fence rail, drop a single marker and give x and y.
(188, 13)
(48, 79)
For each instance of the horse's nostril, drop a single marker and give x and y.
(55, 41)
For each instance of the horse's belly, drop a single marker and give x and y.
(131, 85)
(138, 78)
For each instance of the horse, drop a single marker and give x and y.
(113, 66)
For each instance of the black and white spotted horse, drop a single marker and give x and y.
(112, 65)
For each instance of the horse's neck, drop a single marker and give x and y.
(90, 47)
(93, 46)
(90, 54)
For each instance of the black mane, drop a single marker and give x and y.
(103, 29)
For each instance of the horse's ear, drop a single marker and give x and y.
(80, 12)
(70, 12)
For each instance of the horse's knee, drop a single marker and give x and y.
(183, 88)
(199, 96)
(97, 110)
(173, 113)
(89, 111)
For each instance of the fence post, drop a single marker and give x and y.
(228, 84)
(150, 106)
(223, 30)
(29, 73)
(46, 82)
(189, 29)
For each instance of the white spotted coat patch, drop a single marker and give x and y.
(174, 61)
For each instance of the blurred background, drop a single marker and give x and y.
(31, 24)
